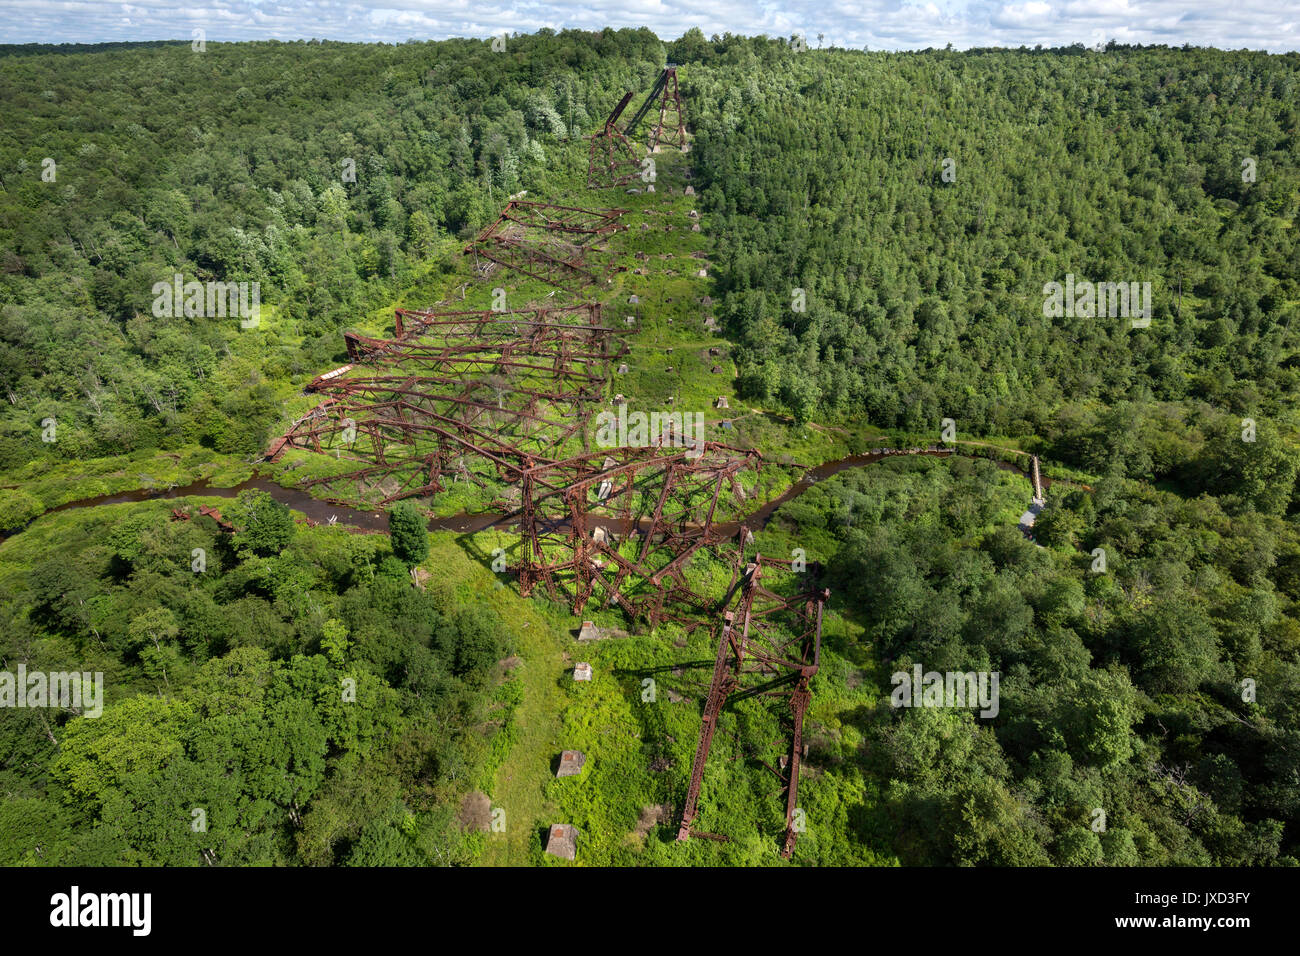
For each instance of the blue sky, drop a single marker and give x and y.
(1272, 25)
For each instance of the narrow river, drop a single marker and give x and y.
(377, 521)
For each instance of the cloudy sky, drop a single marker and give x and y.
(1272, 25)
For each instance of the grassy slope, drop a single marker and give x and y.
(516, 779)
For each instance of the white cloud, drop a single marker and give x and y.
(878, 24)
(1025, 12)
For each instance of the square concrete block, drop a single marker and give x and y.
(563, 841)
(571, 762)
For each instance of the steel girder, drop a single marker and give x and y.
(578, 513)
(770, 645)
(546, 242)
(671, 127)
(611, 160)
(466, 394)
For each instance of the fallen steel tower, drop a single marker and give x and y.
(546, 242)
(770, 645)
(611, 158)
(579, 516)
(477, 395)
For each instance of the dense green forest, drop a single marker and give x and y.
(925, 293)
(230, 165)
(298, 691)
(1120, 691)
(328, 697)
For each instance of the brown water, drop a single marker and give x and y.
(298, 500)
(377, 521)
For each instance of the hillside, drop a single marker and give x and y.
(877, 236)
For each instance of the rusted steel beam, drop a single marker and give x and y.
(474, 363)
(719, 688)
(611, 161)
(798, 706)
(394, 393)
(571, 219)
(587, 314)
(619, 163)
(611, 122)
(477, 385)
(777, 635)
(671, 128)
(623, 483)
(526, 237)
(531, 261)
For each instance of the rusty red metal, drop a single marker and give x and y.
(670, 130)
(503, 399)
(478, 395)
(547, 242)
(611, 158)
(670, 125)
(578, 514)
(770, 645)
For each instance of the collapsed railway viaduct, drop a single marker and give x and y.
(501, 397)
